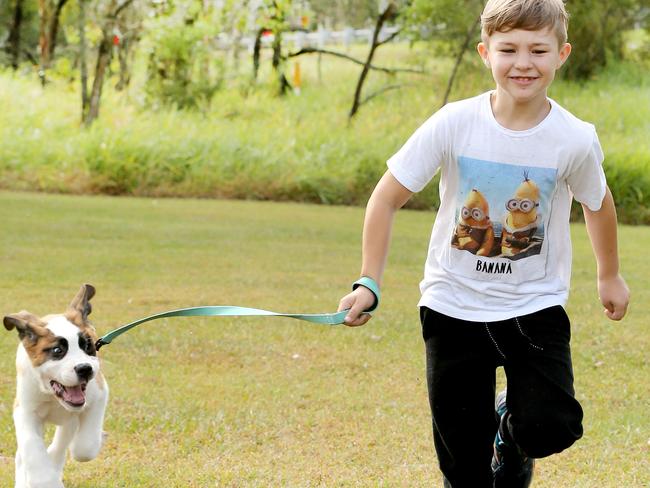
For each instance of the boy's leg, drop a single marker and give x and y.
(461, 364)
(512, 468)
(543, 415)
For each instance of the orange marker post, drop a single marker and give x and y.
(297, 81)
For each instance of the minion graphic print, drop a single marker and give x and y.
(501, 220)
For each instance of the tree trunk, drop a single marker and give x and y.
(284, 84)
(47, 32)
(257, 49)
(83, 64)
(43, 38)
(54, 27)
(103, 60)
(386, 14)
(123, 57)
(459, 58)
(13, 41)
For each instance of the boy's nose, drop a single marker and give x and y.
(522, 61)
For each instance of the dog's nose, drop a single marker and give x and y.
(84, 371)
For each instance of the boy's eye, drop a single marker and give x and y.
(507, 50)
(539, 52)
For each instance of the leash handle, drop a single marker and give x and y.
(372, 285)
(224, 311)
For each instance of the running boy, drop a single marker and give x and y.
(498, 267)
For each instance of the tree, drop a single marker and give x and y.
(20, 41)
(236, 18)
(104, 54)
(83, 64)
(596, 29)
(183, 67)
(389, 13)
(345, 13)
(596, 33)
(129, 29)
(13, 40)
(50, 14)
(273, 19)
(451, 24)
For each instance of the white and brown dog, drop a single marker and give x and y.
(59, 382)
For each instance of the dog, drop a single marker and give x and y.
(58, 382)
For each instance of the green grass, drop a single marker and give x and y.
(275, 402)
(249, 144)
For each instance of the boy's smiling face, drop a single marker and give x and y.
(523, 63)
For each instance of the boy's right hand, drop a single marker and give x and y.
(614, 295)
(359, 300)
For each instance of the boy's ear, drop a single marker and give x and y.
(483, 52)
(565, 50)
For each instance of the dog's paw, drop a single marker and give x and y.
(44, 482)
(48, 484)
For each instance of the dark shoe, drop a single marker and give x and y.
(510, 466)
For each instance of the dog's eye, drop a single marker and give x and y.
(87, 345)
(57, 352)
(90, 348)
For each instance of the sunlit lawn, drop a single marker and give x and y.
(275, 402)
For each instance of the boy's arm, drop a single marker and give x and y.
(389, 196)
(601, 227)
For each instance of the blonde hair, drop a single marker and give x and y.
(505, 15)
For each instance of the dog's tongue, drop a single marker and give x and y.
(74, 395)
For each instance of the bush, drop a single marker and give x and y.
(628, 176)
(596, 31)
(182, 70)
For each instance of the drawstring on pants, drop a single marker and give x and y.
(530, 341)
(521, 331)
(496, 345)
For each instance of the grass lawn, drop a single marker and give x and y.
(276, 402)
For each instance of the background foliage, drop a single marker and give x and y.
(191, 106)
(181, 69)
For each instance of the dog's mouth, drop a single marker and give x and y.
(75, 396)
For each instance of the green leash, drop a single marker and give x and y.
(232, 311)
(224, 311)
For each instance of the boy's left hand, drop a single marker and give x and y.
(614, 295)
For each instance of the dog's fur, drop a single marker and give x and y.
(59, 382)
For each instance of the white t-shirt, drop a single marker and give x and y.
(500, 245)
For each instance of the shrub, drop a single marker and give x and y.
(182, 69)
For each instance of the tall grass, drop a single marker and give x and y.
(249, 143)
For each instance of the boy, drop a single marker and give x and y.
(497, 272)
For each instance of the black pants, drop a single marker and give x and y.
(462, 357)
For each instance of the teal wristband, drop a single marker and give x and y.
(372, 285)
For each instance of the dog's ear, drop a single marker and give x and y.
(28, 325)
(81, 302)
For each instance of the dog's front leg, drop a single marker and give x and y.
(62, 438)
(90, 436)
(20, 472)
(38, 470)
